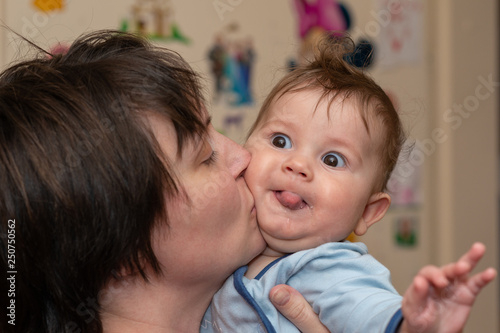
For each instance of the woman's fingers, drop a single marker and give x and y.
(295, 308)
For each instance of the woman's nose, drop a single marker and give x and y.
(298, 166)
(237, 158)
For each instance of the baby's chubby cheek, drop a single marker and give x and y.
(252, 172)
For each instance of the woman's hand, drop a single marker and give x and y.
(295, 308)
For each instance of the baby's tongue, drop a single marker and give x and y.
(290, 200)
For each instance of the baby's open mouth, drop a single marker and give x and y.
(290, 200)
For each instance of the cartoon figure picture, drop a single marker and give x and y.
(231, 62)
(406, 231)
(155, 19)
(315, 17)
(216, 56)
(328, 15)
(401, 36)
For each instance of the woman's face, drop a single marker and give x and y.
(212, 230)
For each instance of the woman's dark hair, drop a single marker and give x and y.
(82, 176)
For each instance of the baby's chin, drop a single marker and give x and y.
(281, 246)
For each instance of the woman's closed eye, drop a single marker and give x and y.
(212, 158)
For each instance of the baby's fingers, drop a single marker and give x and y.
(472, 257)
(418, 291)
(480, 280)
(466, 263)
(435, 276)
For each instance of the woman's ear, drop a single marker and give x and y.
(375, 209)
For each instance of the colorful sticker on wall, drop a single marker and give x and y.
(231, 59)
(317, 17)
(400, 26)
(49, 5)
(406, 231)
(154, 19)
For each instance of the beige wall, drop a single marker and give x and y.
(2, 34)
(465, 197)
(446, 103)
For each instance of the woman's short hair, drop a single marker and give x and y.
(82, 175)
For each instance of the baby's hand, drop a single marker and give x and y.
(440, 298)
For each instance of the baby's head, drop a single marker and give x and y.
(323, 147)
(336, 79)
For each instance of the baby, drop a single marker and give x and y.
(323, 147)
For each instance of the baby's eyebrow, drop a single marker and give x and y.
(279, 122)
(348, 145)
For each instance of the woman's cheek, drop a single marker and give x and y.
(209, 192)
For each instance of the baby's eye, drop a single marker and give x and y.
(281, 141)
(334, 160)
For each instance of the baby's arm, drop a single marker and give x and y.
(440, 298)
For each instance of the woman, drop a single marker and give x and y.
(128, 209)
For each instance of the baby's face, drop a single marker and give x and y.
(311, 173)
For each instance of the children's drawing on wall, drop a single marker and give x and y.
(154, 19)
(405, 182)
(233, 124)
(314, 17)
(231, 58)
(49, 5)
(317, 17)
(401, 26)
(406, 231)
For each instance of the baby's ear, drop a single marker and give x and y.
(375, 210)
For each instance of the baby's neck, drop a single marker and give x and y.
(261, 261)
